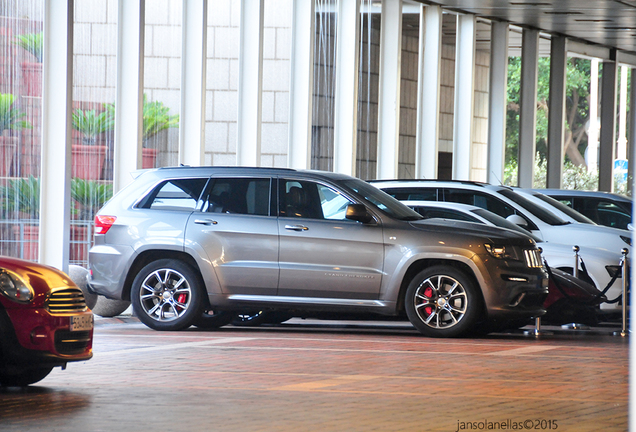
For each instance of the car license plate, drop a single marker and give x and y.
(81, 322)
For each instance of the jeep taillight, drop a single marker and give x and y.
(103, 223)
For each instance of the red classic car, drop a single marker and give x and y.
(44, 322)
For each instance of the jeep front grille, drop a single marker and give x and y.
(66, 300)
(533, 258)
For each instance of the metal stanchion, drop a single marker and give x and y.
(624, 332)
(575, 269)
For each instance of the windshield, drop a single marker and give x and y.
(533, 208)
(503, 223)
(384, 202)
(565, 209)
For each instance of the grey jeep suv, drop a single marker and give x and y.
(194, 245)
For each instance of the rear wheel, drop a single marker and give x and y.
(442, 301)
(23, 377)
(213, 319)
(168, 294)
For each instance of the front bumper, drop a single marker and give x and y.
(34, 336)
(513, 290)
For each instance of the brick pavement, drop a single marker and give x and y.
(299, 377)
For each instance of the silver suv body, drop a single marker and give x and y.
(188, 245)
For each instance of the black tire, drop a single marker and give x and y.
(168, 295)
(442, 301)
(23, 377)
(211, 319)
(79, 275)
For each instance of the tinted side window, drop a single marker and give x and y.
(299, 199)
(239, 195)
(412, 194)
(177, 194)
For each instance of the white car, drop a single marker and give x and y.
(505, 202)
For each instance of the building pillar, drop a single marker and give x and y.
(528, 106)
(464, 90)
(498, 97)
(556, 119)
(55, 179)
(631, 139)
(389, 89)
(301, 84)
(193, 67)
(248, 147)
(428, 91)
(127, 155)
(608, 127)
(346, 97)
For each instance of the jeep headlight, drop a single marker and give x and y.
(14, 287)
(502, 252)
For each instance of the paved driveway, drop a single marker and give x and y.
(313, 376)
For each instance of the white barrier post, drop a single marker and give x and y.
(624, 331)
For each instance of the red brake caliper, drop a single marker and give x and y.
(428, 292)
(182, 298)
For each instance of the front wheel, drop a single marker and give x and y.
(168, 294)
(23, 377)
(442, 301)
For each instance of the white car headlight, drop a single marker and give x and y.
(14, 287)
(502, 252)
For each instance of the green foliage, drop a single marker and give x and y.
(21, 196)
(156, 117)
(91, 125)
(31, 42)
(90, 196)
(577, 107)
(574, 176)
(10, 117)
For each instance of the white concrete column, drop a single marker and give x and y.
(464, 91)
(608, 127)
(55, 179)
(389, 89)
(248, 147)
(556, 116)
(592, 134)
(528, 106)
(193, 65)
(498, 99)
(621, 150)
(130, 86)
(301, 84)
(346, 97)
(631, 139)
(428, 92)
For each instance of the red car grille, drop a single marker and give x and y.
(66, 300)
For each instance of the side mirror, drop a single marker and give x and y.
(517, 220)
(359, 213)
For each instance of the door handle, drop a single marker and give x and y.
(205, 222)
(296, 227)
